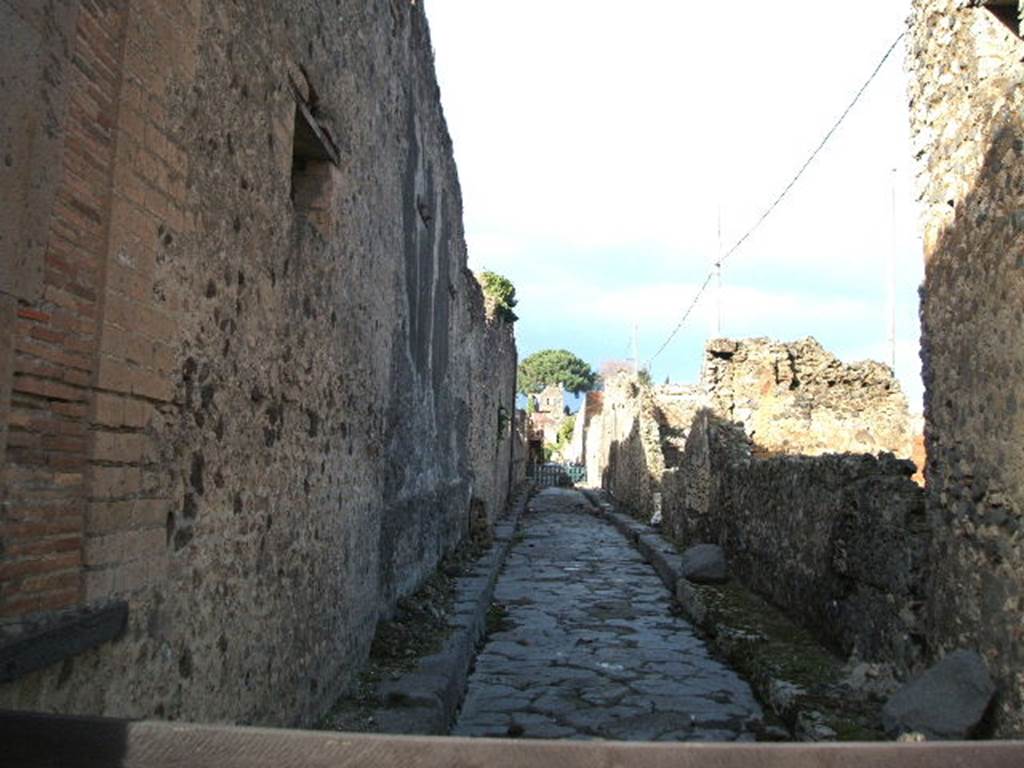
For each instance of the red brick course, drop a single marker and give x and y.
(55, 344)
(93, 357)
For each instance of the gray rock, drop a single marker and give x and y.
(946, 702)
(693, 605)
(705, 564)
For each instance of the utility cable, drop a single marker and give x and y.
(782, 195)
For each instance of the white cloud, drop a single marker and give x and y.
(597, 142)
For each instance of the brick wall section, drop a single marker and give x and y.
(8, 314)
(47, 471)
(131, 494)
(87, 508)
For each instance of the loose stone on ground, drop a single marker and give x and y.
(705, 564)
(948, 701)
(589, 648)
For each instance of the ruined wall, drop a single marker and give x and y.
(624, 454)
(791, 398)
(966, 100)
(838, 541)
(675, 405)
(492, 362)
(795, 397)
(249, 380)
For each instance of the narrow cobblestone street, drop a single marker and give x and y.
(590, 649)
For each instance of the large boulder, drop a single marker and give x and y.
(705, 564)
(946, 702)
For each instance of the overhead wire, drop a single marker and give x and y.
(782, 195)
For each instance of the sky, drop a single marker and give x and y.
(600, 143)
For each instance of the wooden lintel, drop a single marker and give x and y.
(312, 140)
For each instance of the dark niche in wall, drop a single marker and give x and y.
(314, 165)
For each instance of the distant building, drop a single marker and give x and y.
(552, 400)
(547, 419)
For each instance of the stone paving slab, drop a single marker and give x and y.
(591, 649)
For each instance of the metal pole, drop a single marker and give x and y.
(718, 279)
(636, 354)
(891, 288)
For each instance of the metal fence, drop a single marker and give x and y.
(577, 472)
(553, 475)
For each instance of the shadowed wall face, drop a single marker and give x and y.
(967, 101)
(252, 390)
(838, 541)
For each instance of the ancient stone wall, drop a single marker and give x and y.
(966, 98)
(251, 389)
(675, 405)
(492, 363)
(790, 397)
(623, 452)
(795, 397)
(837, 541)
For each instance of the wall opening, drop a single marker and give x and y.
(314, 166)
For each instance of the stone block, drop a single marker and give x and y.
(689, 597)
(704, 564)
(947, 702)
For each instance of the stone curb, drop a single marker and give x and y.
(425, 700)
(801, 711)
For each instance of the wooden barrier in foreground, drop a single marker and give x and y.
(29, 740)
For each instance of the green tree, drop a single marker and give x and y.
(555, 366)
(565, 430)
(501, 291)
